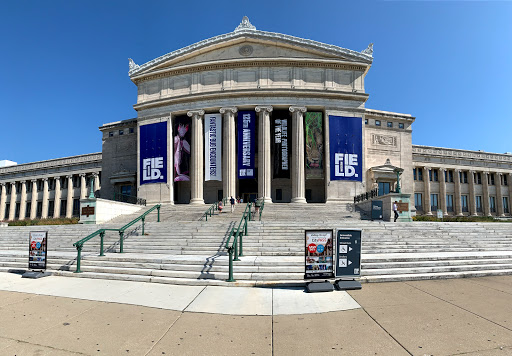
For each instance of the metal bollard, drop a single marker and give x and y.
(121, 238)
(78, 258)
(102, 234)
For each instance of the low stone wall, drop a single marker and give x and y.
(105, 210)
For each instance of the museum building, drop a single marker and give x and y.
(257, 114)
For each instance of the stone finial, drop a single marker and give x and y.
(368, 50)
(132, 65)
(388, 162)
(245, 25)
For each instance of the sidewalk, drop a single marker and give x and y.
(78, 316)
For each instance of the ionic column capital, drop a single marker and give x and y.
(45, 179)
(95, 174)
(33, 180)
(232, 109)
(301, 109)
(264, 108)
(13, 183)
(82, 174)
(2, 184)
(69, 176)
(195, 113)
(442, 169)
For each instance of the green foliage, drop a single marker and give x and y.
(459, 219)
(59, 221)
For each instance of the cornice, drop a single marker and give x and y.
(366, 56)
(362, 97)
(247, 63)
(460, 154)
(123, 123)
(68, 161)
(388, 115)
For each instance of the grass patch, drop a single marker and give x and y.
(59, 221)
(460, 219)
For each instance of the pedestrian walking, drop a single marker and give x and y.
(220, 206)
(232, 201)
(395, 209)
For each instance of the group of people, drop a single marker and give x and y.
(232, 201)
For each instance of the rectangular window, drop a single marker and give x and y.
(111, 134)
(420, 174)
(400, 126)
(27, 210)
(63, 204)
(76, 207)
(8, 187)
(75, 181)
(463, 177)
(464, 203)
(40, 185)
(51, 184)
(433, 202)
(121, 132)
(389, 124)
(433, 175)
(28, 186)
(505, 180)
(417, 201)
(414, 174)
(491, 178)
(478, 202)
(366, 121)
(492, 204)
(51, 208)
(384, 188)
(39, 210)
(17, 211)
(377, 122)
(505, 205)
(436, 175)
(7, 208)
(449, 202)
(279, 194)
(478, 177)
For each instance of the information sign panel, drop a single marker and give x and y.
(319, 254)
(348, 253)
(37, 248)
(376, 209)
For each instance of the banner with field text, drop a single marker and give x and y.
(153, 153)
(346, 148)
(281, 147)
(212, 147)
(246, 144)
(314, 145)
(182, 139)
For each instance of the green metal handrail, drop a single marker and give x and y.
(261, 207)
(234, 249)
(80, 243)
(214, 207)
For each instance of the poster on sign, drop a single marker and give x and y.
(153, 153)
(246, 144)
(212, 147)
(37, 248)
(182, 139)
(319, 254)
(346, 148)
(313, 129)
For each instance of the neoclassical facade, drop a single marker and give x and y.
(48, 189)
(260, 114)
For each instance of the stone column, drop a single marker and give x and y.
(298, 170)
(33, 201)
(23, 200)
(3, 198)
(69, 198)
(56, 201)
(442, 191)
(499, 196)
(12, 207)
(426, 188)
(264, 163)
(46, 194)
(83, 186)
(457, 197)
(96, 176)
(487, 210)
(472, 194)
(229, 152)
(509, 183)
(197, 157)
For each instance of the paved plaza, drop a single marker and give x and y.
(79, 316)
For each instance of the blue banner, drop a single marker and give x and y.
(246, 144)
(153, 153)
(346, 148)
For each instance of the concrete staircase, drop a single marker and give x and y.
(181, 249)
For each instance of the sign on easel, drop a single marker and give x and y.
(37, 250)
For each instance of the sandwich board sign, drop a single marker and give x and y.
(37, 254)
(319, 254)
(348, 253)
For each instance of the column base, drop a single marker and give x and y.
(197, 201)
(267, 200)
(429, 213)
(299, 200)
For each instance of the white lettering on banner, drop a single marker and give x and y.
(246, 140)
(213, 147)
(344, 165)
(151, 168)
(284, 145)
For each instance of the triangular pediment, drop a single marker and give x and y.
(246, 44)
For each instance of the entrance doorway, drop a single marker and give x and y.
(248, 189)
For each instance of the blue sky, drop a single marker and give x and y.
(65, 63)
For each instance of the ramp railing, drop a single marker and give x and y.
(213, 208)
(235, 250)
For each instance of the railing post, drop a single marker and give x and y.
(230, 278)
(245, 225)
(143, 225)
(158, 210)
(236, 247)
(121, 238)
(249, 211)
(102, 234)
(241, 252)
(78, 258)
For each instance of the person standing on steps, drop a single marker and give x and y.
(395, 209)
(232, 201)
(220, 206)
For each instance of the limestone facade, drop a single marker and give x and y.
(48, 189)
